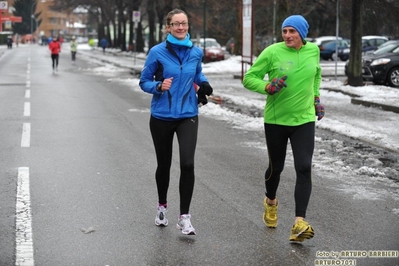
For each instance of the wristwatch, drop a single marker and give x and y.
(159, 87)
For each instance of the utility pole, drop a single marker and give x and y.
(31, 17)
(336, 41)
(274, 22)
(204, 28)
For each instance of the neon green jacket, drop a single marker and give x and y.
(294, 104)
(74, 46)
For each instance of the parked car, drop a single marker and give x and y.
(382, 66)
(325, 39)
(213, 50)
(388, 43)
(369, 44)
(327, 50)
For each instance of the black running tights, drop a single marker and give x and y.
(54, 58)
(162, 135)
(302, 144)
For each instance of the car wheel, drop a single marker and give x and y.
(393, 77)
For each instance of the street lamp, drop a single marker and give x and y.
(31, 17)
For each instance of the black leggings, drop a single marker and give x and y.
(302, 144)
(54, 58)
(73, 55)
(162, 135)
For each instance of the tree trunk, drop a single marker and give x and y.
(108, 33)
(140, 39)
(355, 56)
(120, 27)
(151, 23)
(131, 29)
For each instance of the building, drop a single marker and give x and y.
(61, 24)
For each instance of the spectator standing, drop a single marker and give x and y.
(293, 101)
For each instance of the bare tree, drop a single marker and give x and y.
(223, 18)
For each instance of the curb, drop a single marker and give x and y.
(382, 106)
(356, 100)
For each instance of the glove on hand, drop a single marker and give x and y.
(202, 100)
(205, 89)
(319, 108)
(276, 85)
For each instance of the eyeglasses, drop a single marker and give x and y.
(178, 24)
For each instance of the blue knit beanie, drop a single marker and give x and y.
(299, 23)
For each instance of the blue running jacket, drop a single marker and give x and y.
(184, 64)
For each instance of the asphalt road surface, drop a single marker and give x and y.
(77, 184)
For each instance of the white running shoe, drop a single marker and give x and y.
(184, 224)
(160, 219)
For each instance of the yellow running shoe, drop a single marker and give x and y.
(270, 214)
(301, 230)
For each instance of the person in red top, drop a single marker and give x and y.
(55, 49)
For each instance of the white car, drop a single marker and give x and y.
(324, 39)
(370, 43)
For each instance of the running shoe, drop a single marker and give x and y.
(160, 219)
(301, 231)
(270, 214)
(184, 224)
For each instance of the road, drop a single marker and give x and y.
(80, 146)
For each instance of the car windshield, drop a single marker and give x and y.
(386, 49)
(388, 43)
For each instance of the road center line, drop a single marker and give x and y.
(27, 94)
(23, 224)
(27, 109)
(25, 140)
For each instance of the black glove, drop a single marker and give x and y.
(205, 88)
(202, 100)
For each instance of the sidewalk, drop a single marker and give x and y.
(129, 60)
(383, 97)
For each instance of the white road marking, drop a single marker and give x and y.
(27, 109)
(25, 140)
(28, 84)
(23, 228)
(27, 94)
